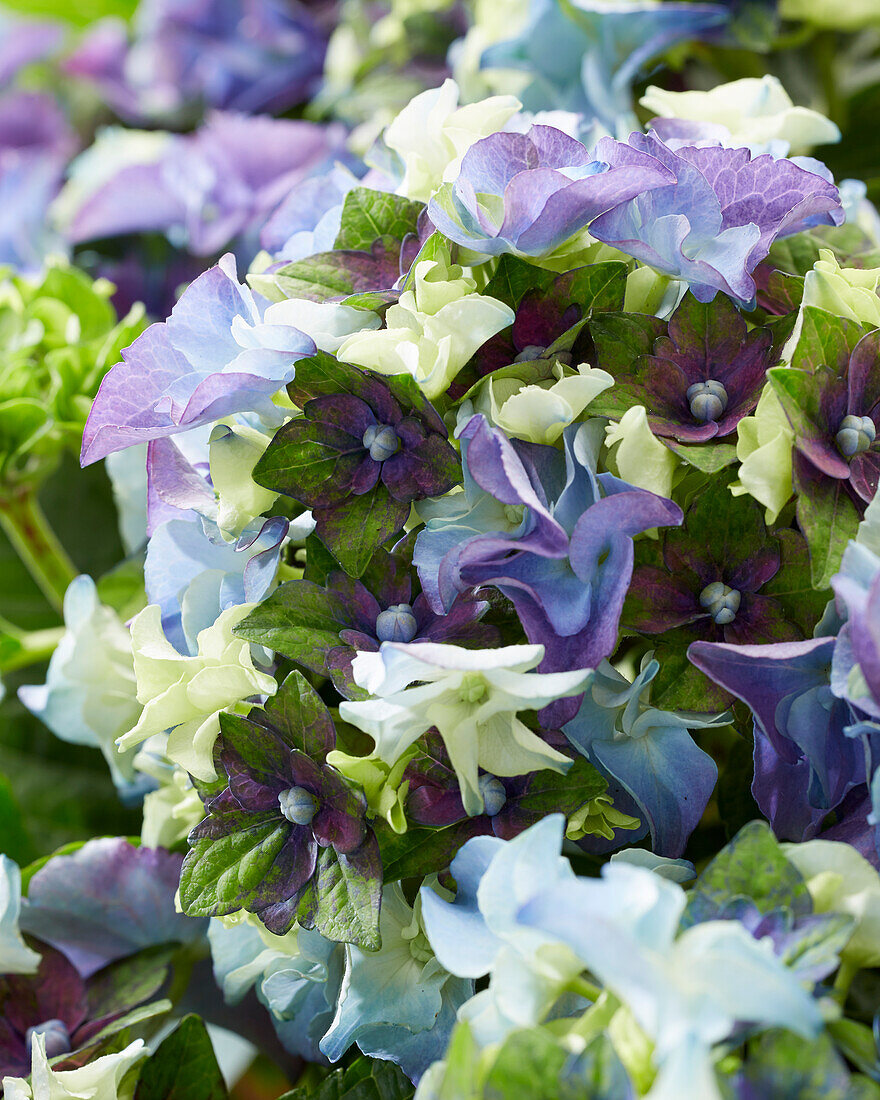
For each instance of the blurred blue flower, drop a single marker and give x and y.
(584, 55)
(183, 55)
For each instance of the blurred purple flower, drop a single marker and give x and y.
(107, 900)
(36, 143)
(718, 220)
(528, 193)
(184, 55)
(202, 190)
(25, 41)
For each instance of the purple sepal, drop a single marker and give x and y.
(190, 369)
(107, 900)
(717, 221)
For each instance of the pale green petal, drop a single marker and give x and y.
(764, 445)
(641, 458)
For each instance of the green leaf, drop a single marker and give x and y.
(780, 1063)
(304, 457)
(183, 1067)
(751, 865)
(792, 586)
(354, 529)
(322, 374)
(420, 850)
(130, 981)
(364, 1079)
(513, 279)
(299, 714)
(550, 792)
(320, 563)
(621, 338)
(226, 874)
(828, 518)
(368, 215)
(342, 901)
(825, 339)
(300, 620)
(706, 457)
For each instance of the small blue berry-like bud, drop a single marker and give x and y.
(397, 624)
(494, 794)
(298, 805)
(856, 435)
(56, 1035)
(382, 441)
(721, 601)
(707, 400)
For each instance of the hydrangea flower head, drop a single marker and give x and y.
(186, 693)
(212, 357)
(432, 331)
(717, 221)
(529, 193)
(472, 697)
(754, 112)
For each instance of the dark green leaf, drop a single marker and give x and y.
(792, 586)
(368, 215)
(300, 620)
(751, 865)
(354, 529)
(828, 518)
(183, 1067)
(298, 713)
(342, 901)
(364, 1079)
(130, 981)
(707, 457)
(513, 279)
(419, 851)
(305, 458)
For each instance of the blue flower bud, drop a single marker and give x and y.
(298, 805)
(856, 435)
(56, 1035)
(382, 441)
(707, 400)
(721, 601)
(494, 794)
(397, 624)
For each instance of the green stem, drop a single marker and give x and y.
(844, 980)
(29, 646)
(27, 528)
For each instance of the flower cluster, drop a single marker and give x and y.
(492, 668)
